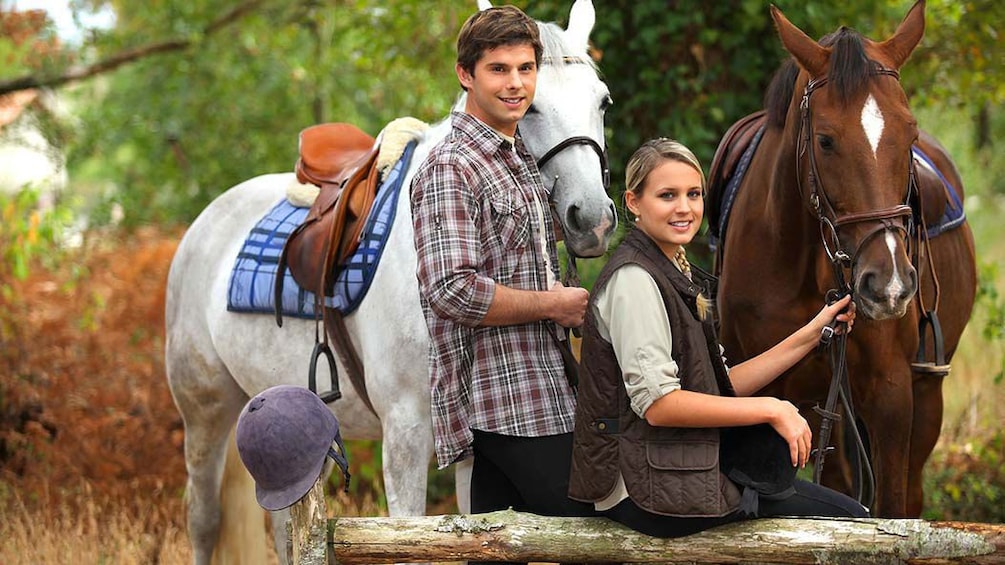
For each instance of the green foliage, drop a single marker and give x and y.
(967, 482)
(174, 131)
(27, 233)
(959, 62)
(365, 463)
(992, 304)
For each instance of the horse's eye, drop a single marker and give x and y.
(826, 142)
(606, 103)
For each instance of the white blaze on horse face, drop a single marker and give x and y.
(872, 123)
(896, 285)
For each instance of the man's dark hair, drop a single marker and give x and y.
(492, 28)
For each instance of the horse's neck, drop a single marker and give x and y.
(781, 216)
(435, 134)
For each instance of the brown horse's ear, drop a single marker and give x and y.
(808, 53)
(899, 47)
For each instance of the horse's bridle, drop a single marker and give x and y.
(830, 221)
(580, 140)
(821, 205)
(571, 273)
(577, 139)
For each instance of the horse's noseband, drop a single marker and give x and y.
(580, 140)
(830, 221)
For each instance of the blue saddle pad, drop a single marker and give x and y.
(954, 215)
(253, 278)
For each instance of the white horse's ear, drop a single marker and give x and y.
(484, 5)
(581, 20)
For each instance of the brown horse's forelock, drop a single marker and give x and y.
(849, 73)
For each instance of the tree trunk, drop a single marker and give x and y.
(516, 536)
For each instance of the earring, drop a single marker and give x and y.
(637, 219)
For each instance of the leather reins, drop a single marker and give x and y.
(897, 218)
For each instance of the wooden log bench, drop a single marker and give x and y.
(516, 536)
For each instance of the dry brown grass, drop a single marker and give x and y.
(88, 530)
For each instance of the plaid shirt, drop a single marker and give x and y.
(476, 225)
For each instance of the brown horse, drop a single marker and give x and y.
(834, 190)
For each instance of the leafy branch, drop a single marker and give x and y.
(80, 72)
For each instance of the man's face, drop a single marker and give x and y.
(502, 87)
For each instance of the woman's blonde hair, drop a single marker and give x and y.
(645, 159)
(650, 155)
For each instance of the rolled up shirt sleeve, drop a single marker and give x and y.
(445, 218)
(632, 318)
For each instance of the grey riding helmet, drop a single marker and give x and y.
(284, 435)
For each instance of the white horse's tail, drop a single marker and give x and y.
(242, 528)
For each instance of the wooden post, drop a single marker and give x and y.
(306, 539)
(516, 536)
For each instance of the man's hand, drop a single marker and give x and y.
(569, 308)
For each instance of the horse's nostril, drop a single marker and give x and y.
(867, 288)
(911, 287)
(572, 218)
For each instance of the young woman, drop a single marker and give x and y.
(655, 393)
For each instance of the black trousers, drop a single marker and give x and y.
(810, 499)
(529, 474)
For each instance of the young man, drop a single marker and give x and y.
(487, 273)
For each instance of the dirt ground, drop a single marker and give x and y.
(84, 405)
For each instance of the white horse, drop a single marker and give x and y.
(217, 359)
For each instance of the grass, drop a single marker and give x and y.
(88, 530)
(85, 531)
(974, 402)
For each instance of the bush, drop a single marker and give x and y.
(967, 482)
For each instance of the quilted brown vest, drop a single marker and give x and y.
(669, 471)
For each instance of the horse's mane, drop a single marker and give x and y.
(556, 48)
(849, 73)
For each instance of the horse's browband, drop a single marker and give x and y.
(816, 83)
(565, 60)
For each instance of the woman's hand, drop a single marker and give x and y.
(841, 311)
(794, 429)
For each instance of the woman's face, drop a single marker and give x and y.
(670, 207)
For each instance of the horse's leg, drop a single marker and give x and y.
(279, 537)
(242, 518)
(924, 434)
(887, 410)
(407, 446)
(462, 484)
(209, 402)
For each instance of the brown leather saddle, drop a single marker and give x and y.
(340, 159)
(724, 166)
